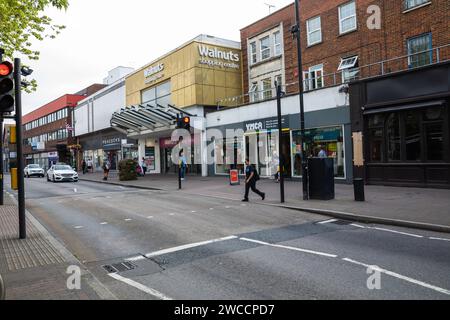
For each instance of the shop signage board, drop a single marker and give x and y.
(266, 124)
(150, 158)
(112, 143)
(214, 57)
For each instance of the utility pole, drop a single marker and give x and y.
(296, 31)
(20, 160)
(2, 200)
(280, 137)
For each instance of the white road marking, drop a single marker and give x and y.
(75, 190)
(289, 248)
(141, 287)
(128, 220)
(171, 214)
(211, 208)
(358, 226)
(188, 246)
(193, 211)
(78, 227)
(398, 232)
(227, 207)
(399, 276)
(328, 221)
(104, 223)
(441, 239)
(150, 217)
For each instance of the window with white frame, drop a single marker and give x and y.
(409, 4)
(267, 88)
(253, 92)
(314, 31)
(347, 17)
(420, 50)
(313, 78)
(265, 48)
(253, 53)
(349, 68)
(277, 50)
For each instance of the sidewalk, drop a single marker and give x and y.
(35, 268)
(409, 207)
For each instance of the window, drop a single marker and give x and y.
(253, 54)
(412, 136)
(393, 137)
(314, 78)
(347, 17)
(254, 94)
(409, 4)
(314, 31)
(277, 43)
(267, 86)
(160, 94)
(419, 51)
(265, 48)
(349, 68)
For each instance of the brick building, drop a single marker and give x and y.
(47, 134)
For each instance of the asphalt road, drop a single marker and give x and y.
(184, 247)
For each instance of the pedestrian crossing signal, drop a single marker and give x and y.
(184, 123)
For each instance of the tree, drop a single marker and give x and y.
(22, 21)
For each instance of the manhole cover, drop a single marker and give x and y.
(119, 267)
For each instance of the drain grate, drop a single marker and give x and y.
(119, 267)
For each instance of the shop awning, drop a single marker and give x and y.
(146, 118)
(426, 104)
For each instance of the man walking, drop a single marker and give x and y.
(251, 176)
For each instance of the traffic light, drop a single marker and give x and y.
(6, 87)
(184, 123)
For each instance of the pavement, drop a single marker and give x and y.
(427, 209)
(36, 268)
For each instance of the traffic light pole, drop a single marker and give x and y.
(2, 200)
(20, 160)
(280, 137)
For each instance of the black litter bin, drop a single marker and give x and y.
(358, 186)
(321, 178)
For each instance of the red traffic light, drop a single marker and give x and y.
(6, 69)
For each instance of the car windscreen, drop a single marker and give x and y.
(34, 166)
(62, 168)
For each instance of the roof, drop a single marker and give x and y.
(68, 100)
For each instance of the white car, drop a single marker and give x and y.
(33, 170)
(59, 172)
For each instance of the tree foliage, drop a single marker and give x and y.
(23, 21)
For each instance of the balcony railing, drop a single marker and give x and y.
(385, 67)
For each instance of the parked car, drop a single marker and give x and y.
(59, 173)
(33, 170)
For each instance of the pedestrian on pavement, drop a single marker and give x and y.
(276, 166)
(322, 153)
(144, 166)
(83, 166)
(251, 176)
(183, 164)
(89, 165)
(106, 167)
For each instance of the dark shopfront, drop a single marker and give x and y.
(404, 119)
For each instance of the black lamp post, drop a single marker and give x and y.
(296, 31)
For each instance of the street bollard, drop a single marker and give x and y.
(358, 185)
(2, 289)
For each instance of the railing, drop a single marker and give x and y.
(385, 67)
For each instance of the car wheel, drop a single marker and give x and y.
(54, 180)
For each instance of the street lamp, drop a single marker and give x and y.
(296, 31)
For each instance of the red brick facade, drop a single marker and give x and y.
(371, 46)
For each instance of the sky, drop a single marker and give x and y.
(103, 34)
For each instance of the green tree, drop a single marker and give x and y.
(23, 21)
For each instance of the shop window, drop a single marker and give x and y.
(229, 154)
(434, 133)
(157, 95)
(420, 51)
(265, 48)
(412, 136)
(376, 144)
(393, 137)
(347, 17)
(331, 139)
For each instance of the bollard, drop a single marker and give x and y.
(14, 180)
(358, 185)
(2, 289)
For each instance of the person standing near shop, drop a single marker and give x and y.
(251, 176)
(106, 167)
(144, 166)
(322, 153)
(90, 165)
(183, 165)
(83, 166)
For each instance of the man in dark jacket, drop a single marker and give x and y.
(250, 181)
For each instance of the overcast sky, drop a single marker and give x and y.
(103, 34)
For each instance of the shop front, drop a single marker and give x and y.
(404, 120)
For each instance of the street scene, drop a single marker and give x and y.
(303, 153)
